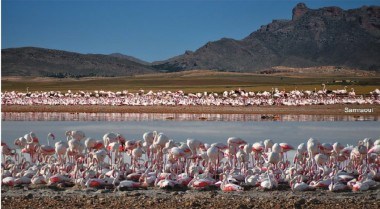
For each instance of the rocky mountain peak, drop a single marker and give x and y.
(299, 10)
(314, 37)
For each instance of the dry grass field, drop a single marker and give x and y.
(198, 81)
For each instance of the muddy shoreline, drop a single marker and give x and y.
(49, 197)
(291, 110)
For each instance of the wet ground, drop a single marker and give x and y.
(266, 110)
(53, 197)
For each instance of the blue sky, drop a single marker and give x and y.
(150, 30)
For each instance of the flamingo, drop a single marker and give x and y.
(360, 186)
(78, 135)
(352, 93)
(59, 178)
(137, 152)
(375, 149)
(285, 147)
(225, 186)
(234, 143)
(326, 148)
(233, 98)
(160, 141)
(147, 180)
(252, 180)
(166, 183)
(128, 185)
(316, 165)
(148, 138)
(337, 186)
(22, 180)
(323, 183)
(47, 149)
(32, 142)
(74, 147)
(21, 142)
(113, 148)
(215, 155)
(8, 181)
(298, 185)
(268, 183)
(95, 183)
(31, 138)
(268, 143)
(109, 138)
(337, 147)
(90, 143)
(274, 158)
(198, 183)
(6, 151)
(312, 147)
(257, 148)
(38, 179)
(194, 144)
(61, 149)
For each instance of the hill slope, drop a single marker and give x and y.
(30, 61)
(326, 36)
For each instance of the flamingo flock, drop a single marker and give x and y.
(159, 161)
(167, 98)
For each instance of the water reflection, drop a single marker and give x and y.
(55, 116)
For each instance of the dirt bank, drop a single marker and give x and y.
(155, 198)
(298, 110)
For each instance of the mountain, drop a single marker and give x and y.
(31, 61)
(327, 36)
(133, 59)
(314, 37)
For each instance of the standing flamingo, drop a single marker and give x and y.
(268, 143)
(194, 144)
(47, 149)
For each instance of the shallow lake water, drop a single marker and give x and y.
(179, 127)
(249, 128)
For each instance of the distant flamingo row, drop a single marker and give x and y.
(158, 161)
(167, 98)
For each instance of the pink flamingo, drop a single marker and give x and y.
(47, 149)
(215, 155)
(298, 185)
(8, 181)
(375, 149)
(234, 143)
(200, 183)
(113, 148)
(6, 151)
(225, 186)
(258, 149)
(128, 185)
(137, 153)
(285, 147)
(268, 143)
(60, 150)
(78, 135)
(194, 144)
(109, 138)
(268, 182)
